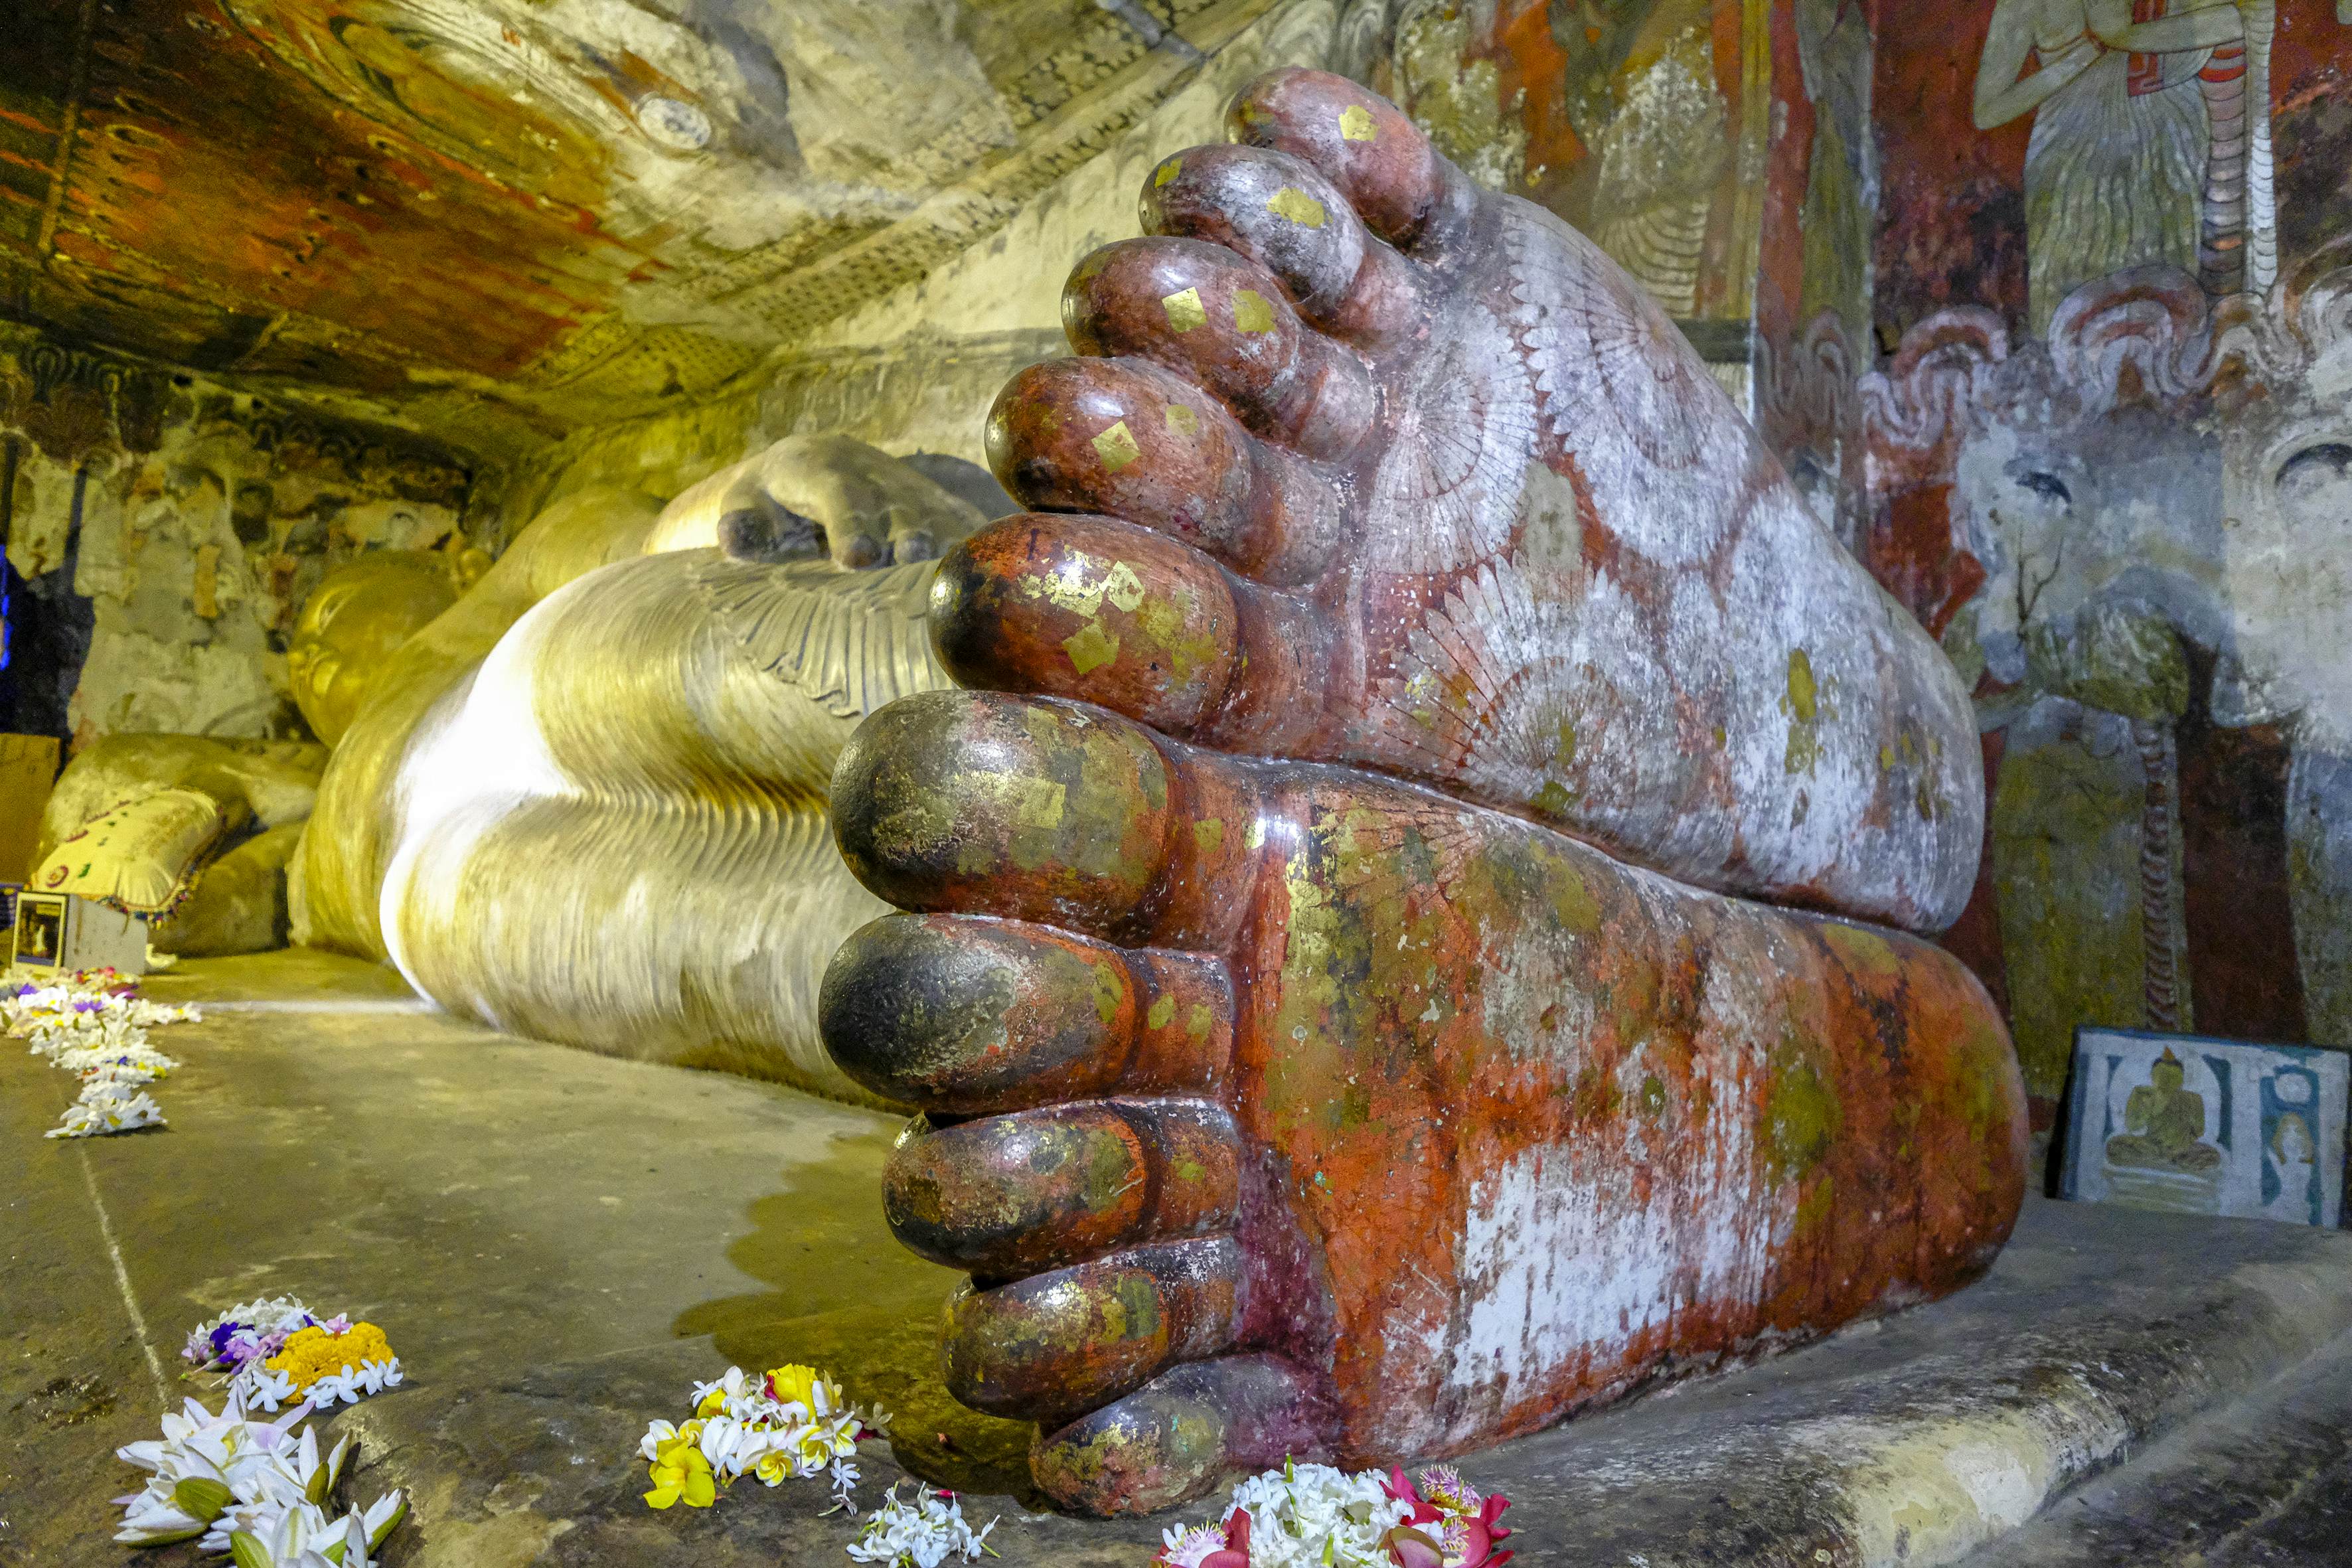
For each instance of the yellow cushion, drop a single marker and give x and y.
(138, 856)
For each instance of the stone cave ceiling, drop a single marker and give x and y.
(576, 209)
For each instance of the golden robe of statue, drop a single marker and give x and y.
(587, 801)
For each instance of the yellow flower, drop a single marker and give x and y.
(802, 1385)
(680, 1470)
(311, 1354)
(818, 1448)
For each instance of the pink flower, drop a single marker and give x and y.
(1397, 1487)
(1204, 1546)
(1479, 1532)
(1466, 1525)
(1411, 1548)
(1236, 1552)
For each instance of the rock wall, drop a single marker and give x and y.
(2111, 465)
(161, 532)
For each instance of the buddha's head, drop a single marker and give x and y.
(2168, 1073)
(354, 622)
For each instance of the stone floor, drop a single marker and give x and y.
(558, 1244)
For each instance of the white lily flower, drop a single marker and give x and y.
(313, 1479)
(382, 1515)
(264, 1494)
(303, 1536)
(107, 1112)
(205, 1467)
(152, 1520)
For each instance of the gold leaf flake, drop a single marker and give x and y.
(1182, 420)
(1296, 204)
(1184, 309)
(1123, 587)
(1356, 123)
(1041, 804)
(1167, 172)
(1117, 446)
(1089, 649)
(1251, 313)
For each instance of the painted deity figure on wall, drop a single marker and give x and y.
(2150, 141)
(1661, 150)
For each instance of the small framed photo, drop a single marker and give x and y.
(40, 930)
(2199, 1125)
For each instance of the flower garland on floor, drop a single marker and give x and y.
(920, 1533)
(1314, 1516)
(94, 1024)
(793, 1423)
(233, 1484)
(254, 1489)
(271, 1351)
(789, 1424)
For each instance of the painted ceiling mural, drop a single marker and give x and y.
(2111, 463)
(578, 207)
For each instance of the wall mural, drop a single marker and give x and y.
(1718, 150)
(2110, 464)
(164, 532)
(1643, 123)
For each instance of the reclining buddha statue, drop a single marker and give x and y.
(1413, 924)
(1412, 902)
(587, 802)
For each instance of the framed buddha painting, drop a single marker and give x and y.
(2209, 1126)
